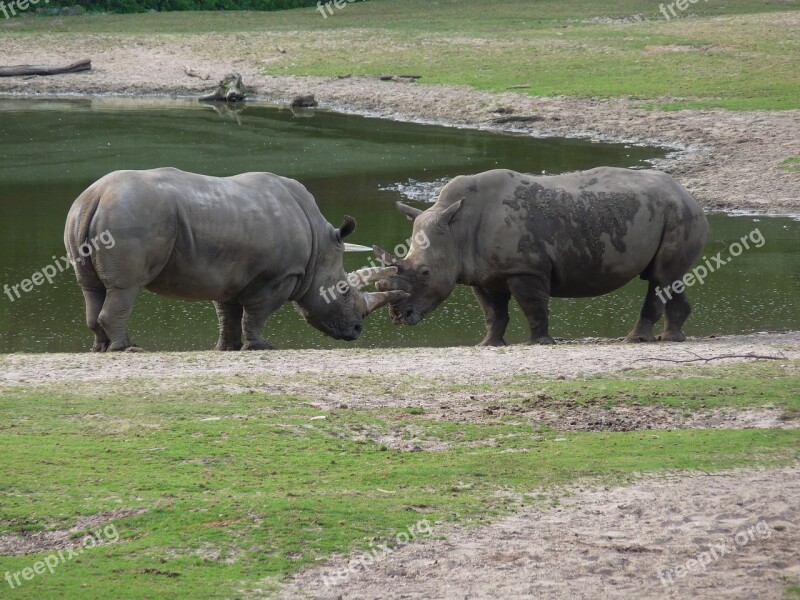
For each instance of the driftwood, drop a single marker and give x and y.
(192, 73)
(400, 78)
(710, 358)
(518, 119)
(81, 65)
(230, 89)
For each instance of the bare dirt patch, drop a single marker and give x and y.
(607, 543)
(61, 539)
(458, 365)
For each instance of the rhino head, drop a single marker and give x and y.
(430, 270)
(334, 302)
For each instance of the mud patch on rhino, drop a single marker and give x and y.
(555, 216)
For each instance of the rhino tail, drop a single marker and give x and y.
(77, 235)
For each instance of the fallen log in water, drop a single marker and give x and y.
(81, 65)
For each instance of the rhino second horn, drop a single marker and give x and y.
(409, 211)
(375, 300)
(386, 257)
(368, 275)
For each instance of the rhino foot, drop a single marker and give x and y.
(264, 345)
(672, 336)
(100, 346)
(493, 342)
(635, 338)
(230, 347)
(544, 340)
(126, 346)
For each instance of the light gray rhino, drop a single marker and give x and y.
(250, 243)
(581, 234)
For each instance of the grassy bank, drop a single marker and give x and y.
(739, 55)
(242, 487)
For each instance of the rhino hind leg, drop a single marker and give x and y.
(652, 311)
(230, 316)
(677, 309)
(94, 299)
(533, 296)
(494, 303)
(114, 317)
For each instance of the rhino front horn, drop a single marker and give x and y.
(375, 300)
(386, 257)
(368, 275)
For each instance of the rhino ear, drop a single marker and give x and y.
(450, 213)
(348, 227)
(409, 211)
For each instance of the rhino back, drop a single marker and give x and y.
(197, 237)
(589, 232)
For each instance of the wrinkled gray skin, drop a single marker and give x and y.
(575, 235)
(250, 243)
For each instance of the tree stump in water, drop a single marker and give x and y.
(230, 89)
(304, 101)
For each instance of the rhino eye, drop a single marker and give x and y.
(425, 272)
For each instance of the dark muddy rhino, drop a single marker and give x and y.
(531, 238)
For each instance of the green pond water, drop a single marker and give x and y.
(52, 150)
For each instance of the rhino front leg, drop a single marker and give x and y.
(114, 318)
(257, 309)
(229, 315)
(533, 296)
(494, 302)
(652, 310)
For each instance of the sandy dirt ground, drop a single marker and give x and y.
(728, 160)
(462, 384)
(726, 535)
(461, 365)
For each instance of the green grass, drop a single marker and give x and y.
(792, 591)
(244, 488)
(765, 384)
(738, 54)
(792, 164)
